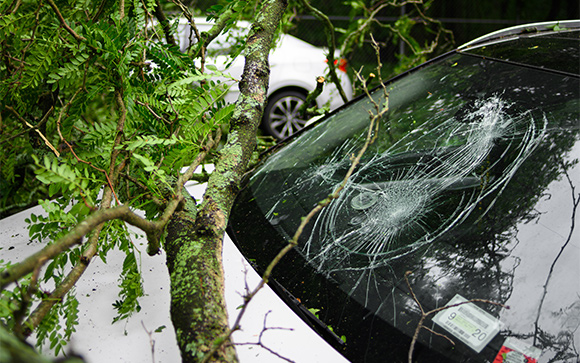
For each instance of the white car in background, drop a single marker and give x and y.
(294, 67)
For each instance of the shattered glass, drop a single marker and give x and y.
(463, 159)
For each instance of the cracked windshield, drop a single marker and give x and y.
(471, 180)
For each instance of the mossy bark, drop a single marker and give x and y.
(194, 240)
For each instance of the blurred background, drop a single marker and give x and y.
(466, 20)
(418, 23)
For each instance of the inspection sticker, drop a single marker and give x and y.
(517, 351)
(468, 323)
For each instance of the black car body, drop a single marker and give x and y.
(472, 186)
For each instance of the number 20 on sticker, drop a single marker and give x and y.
(468, 323)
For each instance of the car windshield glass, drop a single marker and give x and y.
(467, 149)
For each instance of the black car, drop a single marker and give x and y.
(470, 191)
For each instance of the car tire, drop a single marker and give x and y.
(281, 118)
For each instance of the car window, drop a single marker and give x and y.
(455, 180)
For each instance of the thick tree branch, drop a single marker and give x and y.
(160, 15)
(194, 243)
(49, 252)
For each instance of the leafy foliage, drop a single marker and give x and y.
(76, 95)
(131, 289)
(58, 331)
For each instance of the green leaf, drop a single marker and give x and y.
(239, 6)
(34, 229)
(314, 311)
(53, 189)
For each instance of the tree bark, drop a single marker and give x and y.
(194, 240)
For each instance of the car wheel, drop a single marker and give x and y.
(281, 117)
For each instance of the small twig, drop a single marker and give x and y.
(331, 43)
(173, 108)
(370, 17)
(151, 341)
(160, 15)
(425, 314)
(158, 202)
(439, 334)
(63, 22)
(148, 107)
(54, 150)
(121, 9)
(259, 343)
(16, 6)
(21, 61)
(35, 128)
(377, 49)
(203, 41)
(211, 143)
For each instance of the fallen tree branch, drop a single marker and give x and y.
(371, 136)
(72, 238)
(311, 98)
(330, 42)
